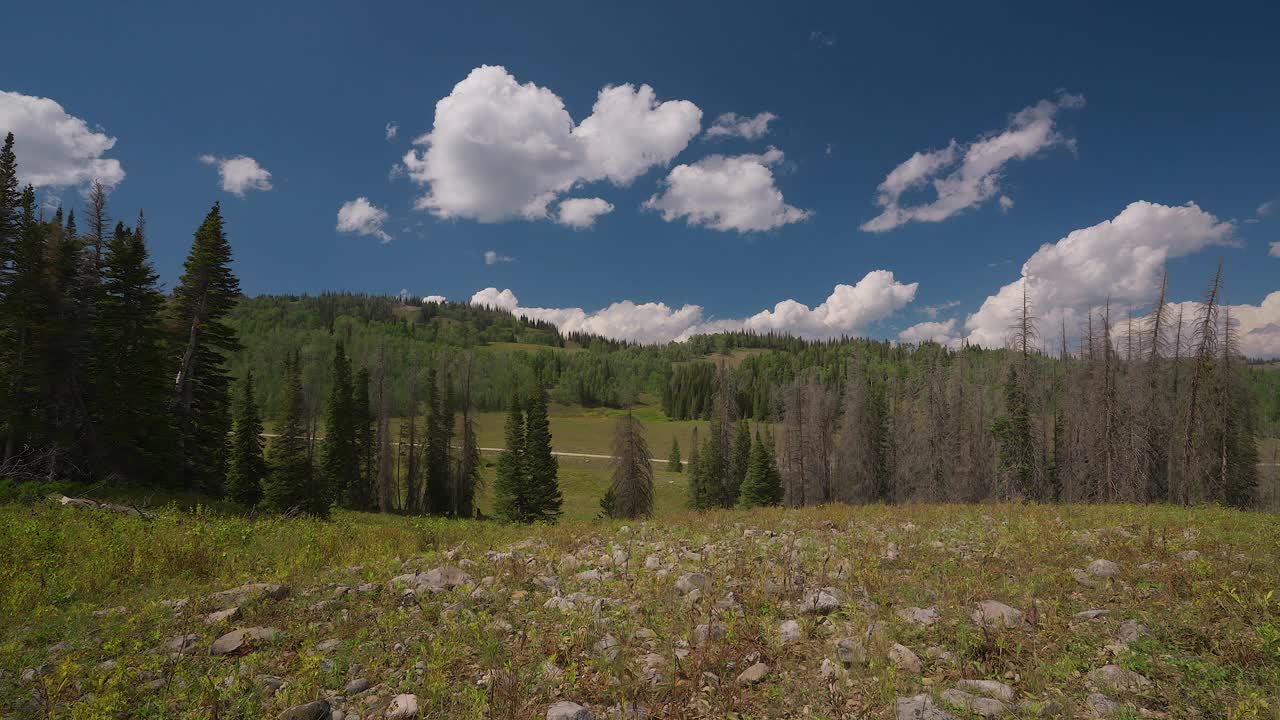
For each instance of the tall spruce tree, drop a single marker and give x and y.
(359, 495)
(130, 361)
(540, 464)
(206, 292)
(341, 451)
(739, 464)
(27, 309)
(763, 483)
(247, 468)
(673, 460)
(510, 487)
(291, 485)
(439, 434)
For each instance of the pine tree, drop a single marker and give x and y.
(27, 316)
(540, 464)
(466, 473)
(673, 460)
(439, 434)
(738, 465)
(129, 364)
(247, 467)
(341, 453)
(763, 484)
(290, 486)
(630, 493)
(206, 292)
(510, 488)
(1013, 432)
(359, 494)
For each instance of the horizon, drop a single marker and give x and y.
(790, 173)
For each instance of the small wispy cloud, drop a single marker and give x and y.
(491, 257)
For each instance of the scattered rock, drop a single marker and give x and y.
(565, 710)
(1189, 555)
(1085, 578)
(851, 651)
(607, 647)
(1036, 708)
(248, 594)
(753, 674)
(1092, 614)
(318, 710)
(1101, 705)
(920, 707)
(182, 644)
(986, 707)
(1114, 677)
(830, 670)
(990, 688)
(403, 707)
(355, 687)
(919, 616)
(242, 640)
(108, 612)
(218, 617)
(822, 601)
(992, 613)
(1103, 569)
(326, 646)
(789, 633)
(905, 660)
(689, 582)
(1131, 631)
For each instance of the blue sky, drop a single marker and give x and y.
(1148, 103)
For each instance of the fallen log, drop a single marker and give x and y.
(87, 504)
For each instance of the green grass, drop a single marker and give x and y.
(1213, 649)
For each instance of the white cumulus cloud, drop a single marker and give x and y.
(437, 299)
(963, 176)
(1257, 327)
(492, 257)
(582, 213)
(53, 148)
(1275, 249)
(936, 331)
(1118, 260)
(849, 309)
(501, 150)
(239, 174)
(362, 217)
(727, 193)
(734, 125)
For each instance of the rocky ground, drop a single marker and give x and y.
(909, 613)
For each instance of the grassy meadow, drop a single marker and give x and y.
(592, 612)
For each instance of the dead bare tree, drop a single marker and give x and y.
(631, 488)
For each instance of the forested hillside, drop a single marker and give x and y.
(110, 382)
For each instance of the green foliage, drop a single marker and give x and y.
(673, 460)
(205, 295)
(511, 484)
(247, 467)
(763, 484)
(340, 461)
(292, 484)
(541, 466)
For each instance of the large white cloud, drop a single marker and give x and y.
(968, 175)
(734, 125)
(727, 193)
(362, 217)
(581, 213)
(849, 309)
(1257, 327)
(239, 174)
(943, 331)
(500, 150)
(55, 149)
(1118, 260)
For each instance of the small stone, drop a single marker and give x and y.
(851, 651)
(1189, 555)
(318, 710)
(986, 707)
(1101, 705)
(355, 687)
(329, 645)
(822, 601)
(607, 647)
(990, 688)
(402, 707)
(1103, 569)
(182, 644)
(905, 660)
(992, 613)
(919, 616)
(248, 594)
(592, 575)
(789, 633)
(1092, 614)
(1036, 708)
(689, 582)
(565, 710)
(1114, 677)
(1131, 631)
(1085, 578)
(920, 707)
(242, 640)
(108, 612)
(231, 614)
(753, 674)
